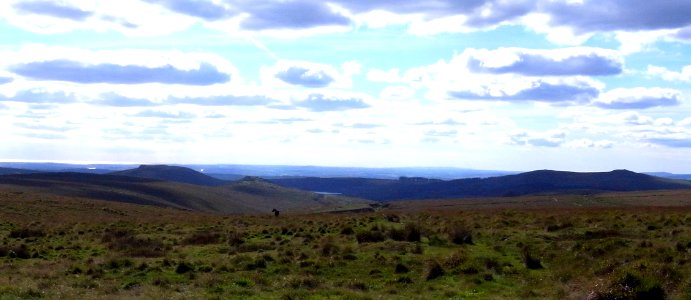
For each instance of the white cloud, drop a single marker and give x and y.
(131, 17)
(669, 75)
(638, 98)
(576, 61)
(286, 73)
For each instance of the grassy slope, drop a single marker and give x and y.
(235, 198)
(90, 249)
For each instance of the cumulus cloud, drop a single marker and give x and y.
(638, 98)
(441, 133)
(310, 74)
(449, 122)
(305, 77)
(671, 142)
(4, 80)
(74, 71)
(588, 143)
(541, 139)
(40, 96)
(113, 99)
(223, 100)
(669, 75)
(164, 114)
(612, 15)
(53, 9)
(130, 17)
(558, 62)
(207, 10)
(322, 103)
(361, 126)
(684, 33)
(539, 91)
(295, 14)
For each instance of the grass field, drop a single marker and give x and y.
(70, 248)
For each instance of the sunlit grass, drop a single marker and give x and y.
(605, 253)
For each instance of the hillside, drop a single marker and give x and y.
(15, 171)
(243, 197)
(535, 182)
(171, 173)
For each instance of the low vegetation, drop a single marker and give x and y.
(150, 253)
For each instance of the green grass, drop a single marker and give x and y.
(605, 253)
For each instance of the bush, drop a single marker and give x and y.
(127, 242)
(23, 233)
(433, 270)
(329, 248)
(630, 286)
(183, 268)
(413, 232)
(202, 238)
(347, 230)
(401, 268)
(531, 262)
(369, 236)
(236, 238)
(460, 235)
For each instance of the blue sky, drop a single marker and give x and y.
(488, 84)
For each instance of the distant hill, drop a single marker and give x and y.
(670, 175)
(171, 173)
(249, 196)
(535, 182)
(15, 171)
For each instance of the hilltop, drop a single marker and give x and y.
(171, 173)
(535, 182)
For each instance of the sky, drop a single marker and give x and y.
(576, 85)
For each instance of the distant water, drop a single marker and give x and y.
(327, 193)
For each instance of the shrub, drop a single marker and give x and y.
(455, 259)
(236, 238)
(329, 248)
(393, 218)
(23, 233)
(305, 282)
(347, 230)
(183, 268)
(630, 286)
(127, 242)
(413, 232)
(459, 234)
(531, 262)
(369, 236)
(433, 270)
(401, 268)
(396, 234)
(202, 238)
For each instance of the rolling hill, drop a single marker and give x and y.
(243, 197)
(535, 182)
(171, 173)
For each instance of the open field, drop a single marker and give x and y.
(64, 247)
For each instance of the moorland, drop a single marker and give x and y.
(68, 235)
